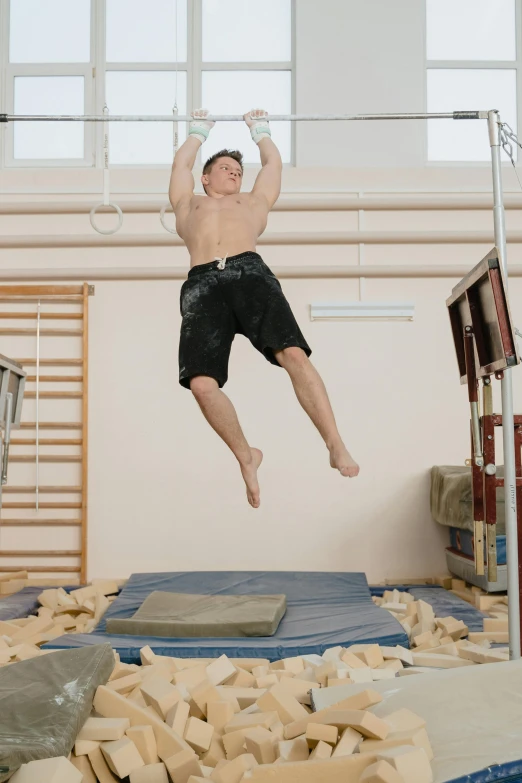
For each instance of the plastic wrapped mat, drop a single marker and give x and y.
(45, 701)
(451, 497)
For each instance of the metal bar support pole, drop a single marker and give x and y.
(508, 424)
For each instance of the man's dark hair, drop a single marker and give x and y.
(235, 154)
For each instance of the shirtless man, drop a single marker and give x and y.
(230, 290)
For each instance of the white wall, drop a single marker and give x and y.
(165, 494)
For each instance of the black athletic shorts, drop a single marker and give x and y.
(216, 304)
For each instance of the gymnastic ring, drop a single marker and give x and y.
(162, 218)
(106, 230)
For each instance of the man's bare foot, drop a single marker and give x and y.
(249, 473)
(341, 460)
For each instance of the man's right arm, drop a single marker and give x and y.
(182, 181)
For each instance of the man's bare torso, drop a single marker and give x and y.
(218, 227)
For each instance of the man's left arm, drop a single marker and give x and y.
(268, 181)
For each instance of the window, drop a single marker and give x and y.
(472, 64)
(75, 56)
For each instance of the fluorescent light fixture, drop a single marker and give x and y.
(362, 311)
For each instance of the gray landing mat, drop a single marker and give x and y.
(45, 701)
(176, 615)
(473, 714)
(451, 497)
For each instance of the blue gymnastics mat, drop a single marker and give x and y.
(324, 609)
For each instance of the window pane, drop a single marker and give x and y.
(470, 30)
(467, 90)
(144, 92)
(54, 31)
(236, 31)
(48, 95)
(236, 92)
(146, 32)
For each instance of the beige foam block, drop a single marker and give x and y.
(84, 766)
(328, 669)
(381, 772)
(234, 743)
(14, 586)
(250, 663)
(23, 652)
(55, 770)
(198, 734)
(122, 756)
(286, 705)
(83, 747)
(40, 625)
(160, 694)
(419, 738)
(191, 676)
(234, 771)
(366, 723)
(352, 660)
(245, 696)
(101, 604)
(182, 765)
(428, 659)
(348, 743)
(103, 729)
(157, 669)
(147, 656)
(124, 670)
(293, 750)
(201, 695)
(294, 665)
(396, 653)
(178, 716)
(244, 721)
(100, 767)
(152, 773)
(49, 599)
(215, 754)
(109, 704)
(410, 762)
(359, 701)
(320, 732)
(124, 684)
(106, 586)
(10, 575)
(196, 779)
(299, 689)
(221, 670)
(144, 739)
(260, 743)
(450, 648)
(321, 751)
(219, 714)
(485, 602)
(395, 665)
(499, 637)
(242, 679)
(8, 629)
(347, 769)
(260, 671)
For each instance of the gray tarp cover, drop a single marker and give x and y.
(45, 701)
(183, 615)
(451, 500)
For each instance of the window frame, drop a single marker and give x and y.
(95, 87)
(512, 65)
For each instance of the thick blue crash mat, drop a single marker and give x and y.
(324, 609)
(444, 603)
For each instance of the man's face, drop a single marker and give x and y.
(224, 179)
